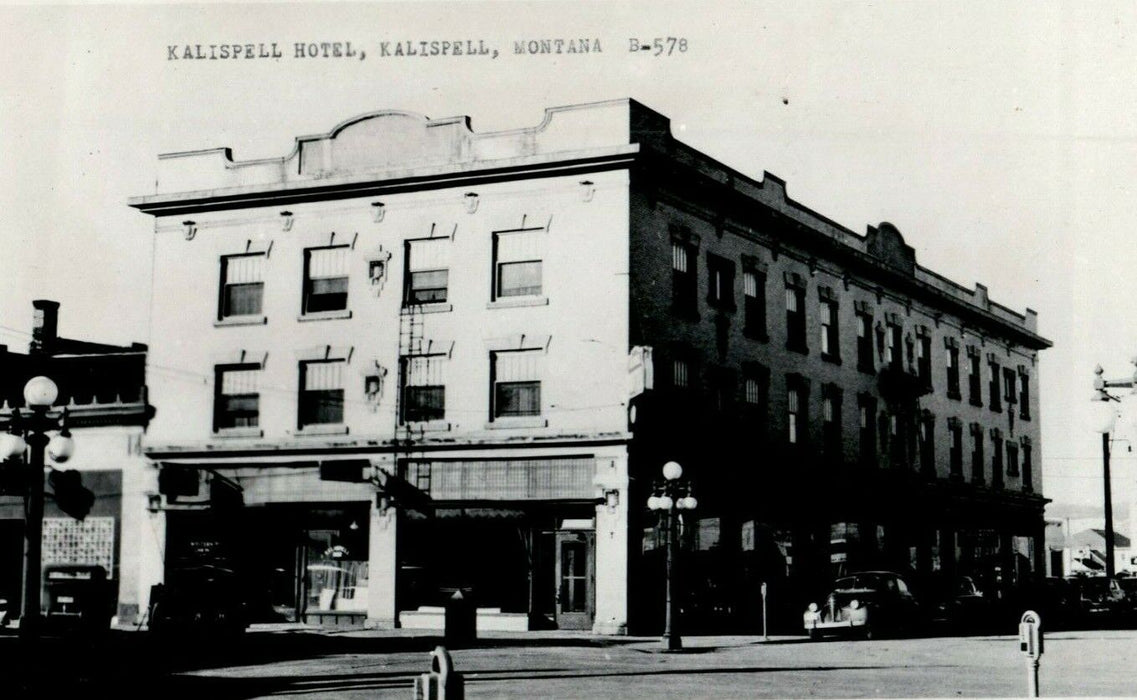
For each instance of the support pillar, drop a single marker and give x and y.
(612, 549)
(383, 566)
(143, 543)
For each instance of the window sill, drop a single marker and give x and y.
(1024, 416)
(832, 359)
(259, 320)
(517, 302)
(434, 307)
(976, 403)
(227, 433)
(325, 315)
(517, 422)
(324, 429)
(427, 426)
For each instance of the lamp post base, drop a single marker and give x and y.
(672, 642)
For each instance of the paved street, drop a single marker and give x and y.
(376, 665)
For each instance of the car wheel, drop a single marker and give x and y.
(814, 635)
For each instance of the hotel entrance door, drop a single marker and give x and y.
(576, 575)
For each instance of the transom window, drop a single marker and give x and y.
(321, 393)
(516, 380)
(325, 279)
(517, 263)
(242, 285)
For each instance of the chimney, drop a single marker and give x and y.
(45, 327)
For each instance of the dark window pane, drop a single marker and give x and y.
(238, 410)
(428, 286)
(424, 403)
(321, 406)
(517, 399)
(242, 299)
(326, 295)
(517, 279)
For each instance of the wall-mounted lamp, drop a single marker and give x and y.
(190, 229)
(378, 211)
(587, 190)
(286, 220)
(471, 202)
(612, 499)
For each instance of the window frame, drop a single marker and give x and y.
(754, 305)
(498, 412)
(308, 293)
(497, 265)
(309, 400)
(225, 286)
(219, 396)
(720, 282)
(409, 288)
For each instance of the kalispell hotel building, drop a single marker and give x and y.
(431, 359)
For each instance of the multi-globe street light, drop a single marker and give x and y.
(669, 496)
(28, 435)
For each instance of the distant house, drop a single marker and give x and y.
(1084, 551)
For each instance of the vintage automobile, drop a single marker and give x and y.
(1100, 600)
(963, 608)
(867, 604)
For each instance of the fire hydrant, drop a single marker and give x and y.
(442, 682)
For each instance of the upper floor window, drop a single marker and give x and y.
(866, 410)
(951, 359)
(1012, 458)
(236, 400)
(680, 374)
(516, 383)
(924, 358)
(1010, 390)
(795, 314)
(242, 285)
(684, 284)
(793, 415)
(424, 388)
(830, 345)
(955, 448)
(993, 384)
(720, 282)
(926, 430)
(1024, 394)
(325, 279)
(974, 381)
(865, 361)
(754, 300)
(894, 350)
(977, 453)
(1027, 466)
(997, 460)
(831, 420)
(517, 263)
(756, 394)
(321, 393)
(724, 386)
(428, 270)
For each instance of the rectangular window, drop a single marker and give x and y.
(1012, 459)
(1024, 396)
(517, 263)
(428, 270)
(793, 407)
(997, 462)
(684, 283)
(424, 388)
(242, 285)
(236, 397)
(927, 439)
(756, 393)
(894, 351)
(952, 361)
(753, 392)
(831, 422)
(924, 359)
(896, 441)
(974, 383)
(795, 319)
(1028, 468)
(680, 369)
(720, 282)
(993, 381)
(516, 380)
(865, 362)
(955, 448)
(321, 393)
(754, 299)
(1010, 390)
(325, 279)
(867, 416)
(830, 346)
(976, 454)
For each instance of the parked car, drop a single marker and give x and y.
(204, 600)
(1100, 601)
(868, 603)
(962, 608)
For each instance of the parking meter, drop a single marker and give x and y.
(1030, 644)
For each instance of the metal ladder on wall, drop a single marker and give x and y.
(411, 343)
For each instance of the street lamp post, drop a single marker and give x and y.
(39, 395)
(670, 496)
(1106, 418)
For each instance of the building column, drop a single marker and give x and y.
(611, 615)
(383, 566)
(142, 543)
(1041, 554)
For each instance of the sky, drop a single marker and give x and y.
(1000, 138)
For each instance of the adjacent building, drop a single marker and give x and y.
(103, 388)
(431, 359)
